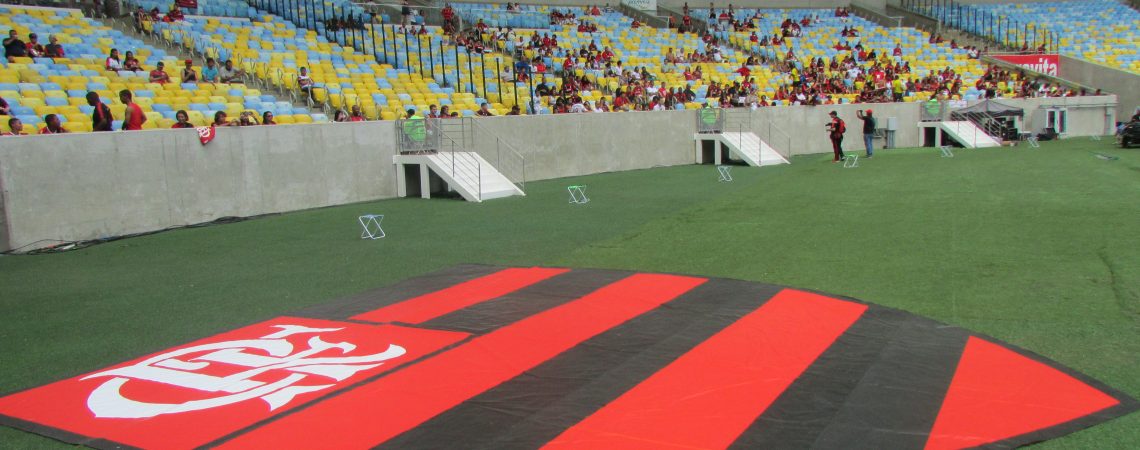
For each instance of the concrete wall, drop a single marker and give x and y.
(1125, 85)
(84, 186)
(569, 145)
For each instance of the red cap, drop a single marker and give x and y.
(869, 112)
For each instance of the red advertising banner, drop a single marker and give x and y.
(1045, 63)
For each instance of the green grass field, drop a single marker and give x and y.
(1036, 247)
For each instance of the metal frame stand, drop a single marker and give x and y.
(578, 194)
(850, 161)
(371, 225)
(725, 173)
(947, 151)
(1032, 140)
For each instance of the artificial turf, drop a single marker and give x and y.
(1037, 247)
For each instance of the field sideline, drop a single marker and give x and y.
(1036, 247)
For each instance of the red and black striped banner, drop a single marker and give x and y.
(485, 357)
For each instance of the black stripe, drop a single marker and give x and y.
(525, 302)
(800, 414)
(343, 308)
(895, 403)
(533, 408)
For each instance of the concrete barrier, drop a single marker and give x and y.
(86, 186)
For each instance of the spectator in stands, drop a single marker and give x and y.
(35, 49)
(188, 73)
(433, 112)
(230, 75)
(247, 119)
(515, 109)
(131, 63)
(304, 82)
(112, 62)
(158, 75)
(210, 72)
(448, 14)
(341, 116)
(405, 13)
(14, 47)
(484, 110)
(220, 120)
(134, 118)
(101, 117)
(3, 107)
(445, 112)
(15, 126)
(52, 125)
(355, 115)
(182, 120)
(267, 118)
(53, 49)
(174, 14)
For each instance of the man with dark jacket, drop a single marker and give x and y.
(101, 118)
(868, 130)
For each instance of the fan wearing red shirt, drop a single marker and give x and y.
(898, 50)
(52, 125)
(744, 71)
(134, 119)
(158, 75)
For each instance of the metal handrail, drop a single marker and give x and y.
(506, 155)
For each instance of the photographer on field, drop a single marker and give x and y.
(835, 130)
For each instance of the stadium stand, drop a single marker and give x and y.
(824, 35)
(574, 59)
(421, 67)
(1102, 31)
(40, 86)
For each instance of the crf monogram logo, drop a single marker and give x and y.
(275, 354)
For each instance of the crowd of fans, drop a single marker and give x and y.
(871, 75)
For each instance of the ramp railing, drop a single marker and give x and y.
(743, 120)
(497, 151)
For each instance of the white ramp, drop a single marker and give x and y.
(750, 148)
(465, 172)
(968, 134)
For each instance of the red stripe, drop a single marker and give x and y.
(374, 413)
(710, 395)
(426, 307)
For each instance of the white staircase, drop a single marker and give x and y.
(968, 134)
(465, 172)
(750, 148)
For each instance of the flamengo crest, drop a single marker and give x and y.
(274, 355)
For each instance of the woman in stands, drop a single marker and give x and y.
(188, 73)
(131, 63)
(340, 116)
(220, 120)
(113, 63)
(52, 125)
(267, 118)
(183, 120)
(3, 107)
